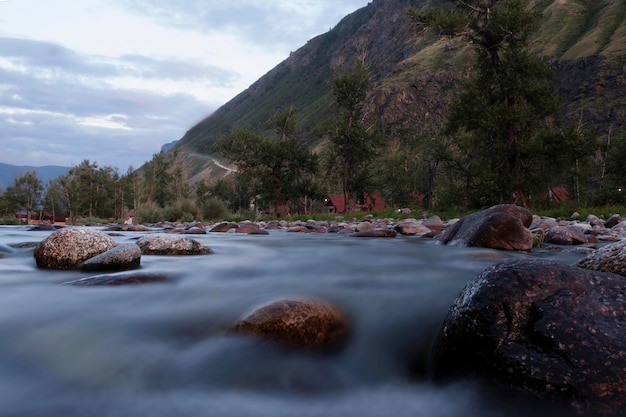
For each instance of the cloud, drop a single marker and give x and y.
(269, 24)
(59, 106)
(113, 81)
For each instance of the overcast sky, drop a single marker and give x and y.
(111, 81)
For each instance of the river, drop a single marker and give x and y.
(165, 350)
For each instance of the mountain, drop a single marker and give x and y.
(45, 173)
(414, 75)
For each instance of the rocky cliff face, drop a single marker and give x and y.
(414, 76)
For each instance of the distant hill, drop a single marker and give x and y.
(8, 173)
(414, 76)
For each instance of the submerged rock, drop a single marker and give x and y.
(164, 244)
(544, 328)
(122, 257)
(298, 323)
(375, 233)
(68, 248)
(499, 227)
(123, 279)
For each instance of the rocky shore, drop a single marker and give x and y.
(544, 329)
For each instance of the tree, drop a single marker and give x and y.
(25, 194)
(274, 171)
(353, 142)
(505, 101)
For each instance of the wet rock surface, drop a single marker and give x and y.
(167, 244)
(121, 257)
(298, 323)
(609, 258)
(502, 227)
(68, 248)
(543, 328)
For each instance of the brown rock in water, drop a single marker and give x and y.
(164, 244)
(610, 258)
(68, 248)
(375, 233)
(543, 328)
(223, 227)
(247, 227)
(298, 323)
(499, 227)
(565, 235)
(411, 227)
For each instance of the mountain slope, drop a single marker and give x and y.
(415, 75)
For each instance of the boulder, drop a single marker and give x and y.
(613, 221)
(544, 223)
(127, 228)
(163, 244)
(565, 235)
(375, 233)
(298, 323)
(412, 227)
(247, 227)
(68, 248)
(499, 227)
(434, 223)
(609, 258)
(195, 230)
(543, 328)
(223, 227)
(119, 258)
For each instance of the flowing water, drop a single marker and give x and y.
(165, 349)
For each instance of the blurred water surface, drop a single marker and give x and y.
(165, 349)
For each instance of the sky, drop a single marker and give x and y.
(111, 81)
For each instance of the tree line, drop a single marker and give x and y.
(503, 142)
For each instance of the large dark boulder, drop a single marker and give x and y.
(499, 227)
(543, 328)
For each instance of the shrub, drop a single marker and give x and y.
(214, 209)
(150, 212)
(185, 210)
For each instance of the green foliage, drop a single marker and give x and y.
(353, 143)
(9, 221)
(214, 209)
(272, 171)
(25, 193)
(150, 212)
(185, 210)
(503, 104)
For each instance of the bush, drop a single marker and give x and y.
(184, 210)
(214, 209)
(150, 212)
(9, 221)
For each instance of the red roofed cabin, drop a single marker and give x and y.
(557, 195)
(336, 203)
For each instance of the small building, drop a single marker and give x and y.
(557, 195)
